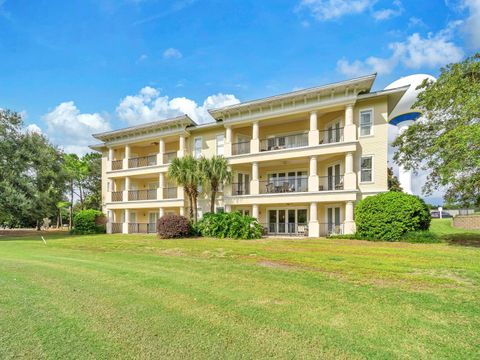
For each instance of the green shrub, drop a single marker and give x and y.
(87, 222)
(390, 215)
(422, 236)
(229, 225)
(173, 226)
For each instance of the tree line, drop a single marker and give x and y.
(40, 183)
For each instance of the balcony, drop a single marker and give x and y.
(142, 161)
(284, 142)
(148, 194)
(117, 196)
(169, 156)
(240, 148)
(331, 136)
(170, 193)
(330, 183)
(117, 164)
(117, 228)
(240, 189)
(141, 228)
(287, 185)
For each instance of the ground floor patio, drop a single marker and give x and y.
(301, 219)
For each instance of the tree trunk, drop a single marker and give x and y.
(212, 201)
(190, 203)
(81, 196)
(195, 204)
(71, 206)
(38, 225)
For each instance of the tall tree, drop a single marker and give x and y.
(447, 142)
(216, 173)
(185, 171)
(393, 183)
(31, 177)
(92, 183)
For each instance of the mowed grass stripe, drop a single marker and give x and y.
(220, 299)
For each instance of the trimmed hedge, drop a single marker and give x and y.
(390, 215)
(87, 222)
(229, 225)
(173, 226)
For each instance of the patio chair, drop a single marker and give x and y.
(339, 186)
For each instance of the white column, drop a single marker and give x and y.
(161, 185)
(228, 141)
(127, 156)
(161, 151)
(313, 134)
(182, 211)
(181, 144)
(110, 158)
(228, 208)
(350, 178)
(313, 225)
(405, 176)
(127, 220)
(255, 211)
(110, 221)
(313, 176)
(349, 226)
(254, 183)
(255, 142)
(161, 212)
(350, 130)
(127, 187)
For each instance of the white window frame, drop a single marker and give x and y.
(372, 170)
(195, 154)
(372, 117)
(222, 135)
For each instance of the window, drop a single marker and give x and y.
(197, 152)
(220, 209)
(220, 144)
(366, 122)
(366, 167)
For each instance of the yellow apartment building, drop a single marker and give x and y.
(300, 160)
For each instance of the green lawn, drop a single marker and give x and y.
(128, 296)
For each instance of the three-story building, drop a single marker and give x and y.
(300, 160)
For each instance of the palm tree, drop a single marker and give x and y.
(215, 171)
(185, 172)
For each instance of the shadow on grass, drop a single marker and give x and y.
(17, 235)
(468, 239)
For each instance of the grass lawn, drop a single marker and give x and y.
(134, 296)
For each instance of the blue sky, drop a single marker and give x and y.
(77, 67)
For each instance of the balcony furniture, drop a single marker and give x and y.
(339, 186)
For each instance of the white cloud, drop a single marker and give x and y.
(415, 21)
(334, 9)
(385, 14)
(370, 65)
(172, 53)
(471, 26)
(415, 52)
(148, 105)
(33, 128)
(69, 128)
(142, 58)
